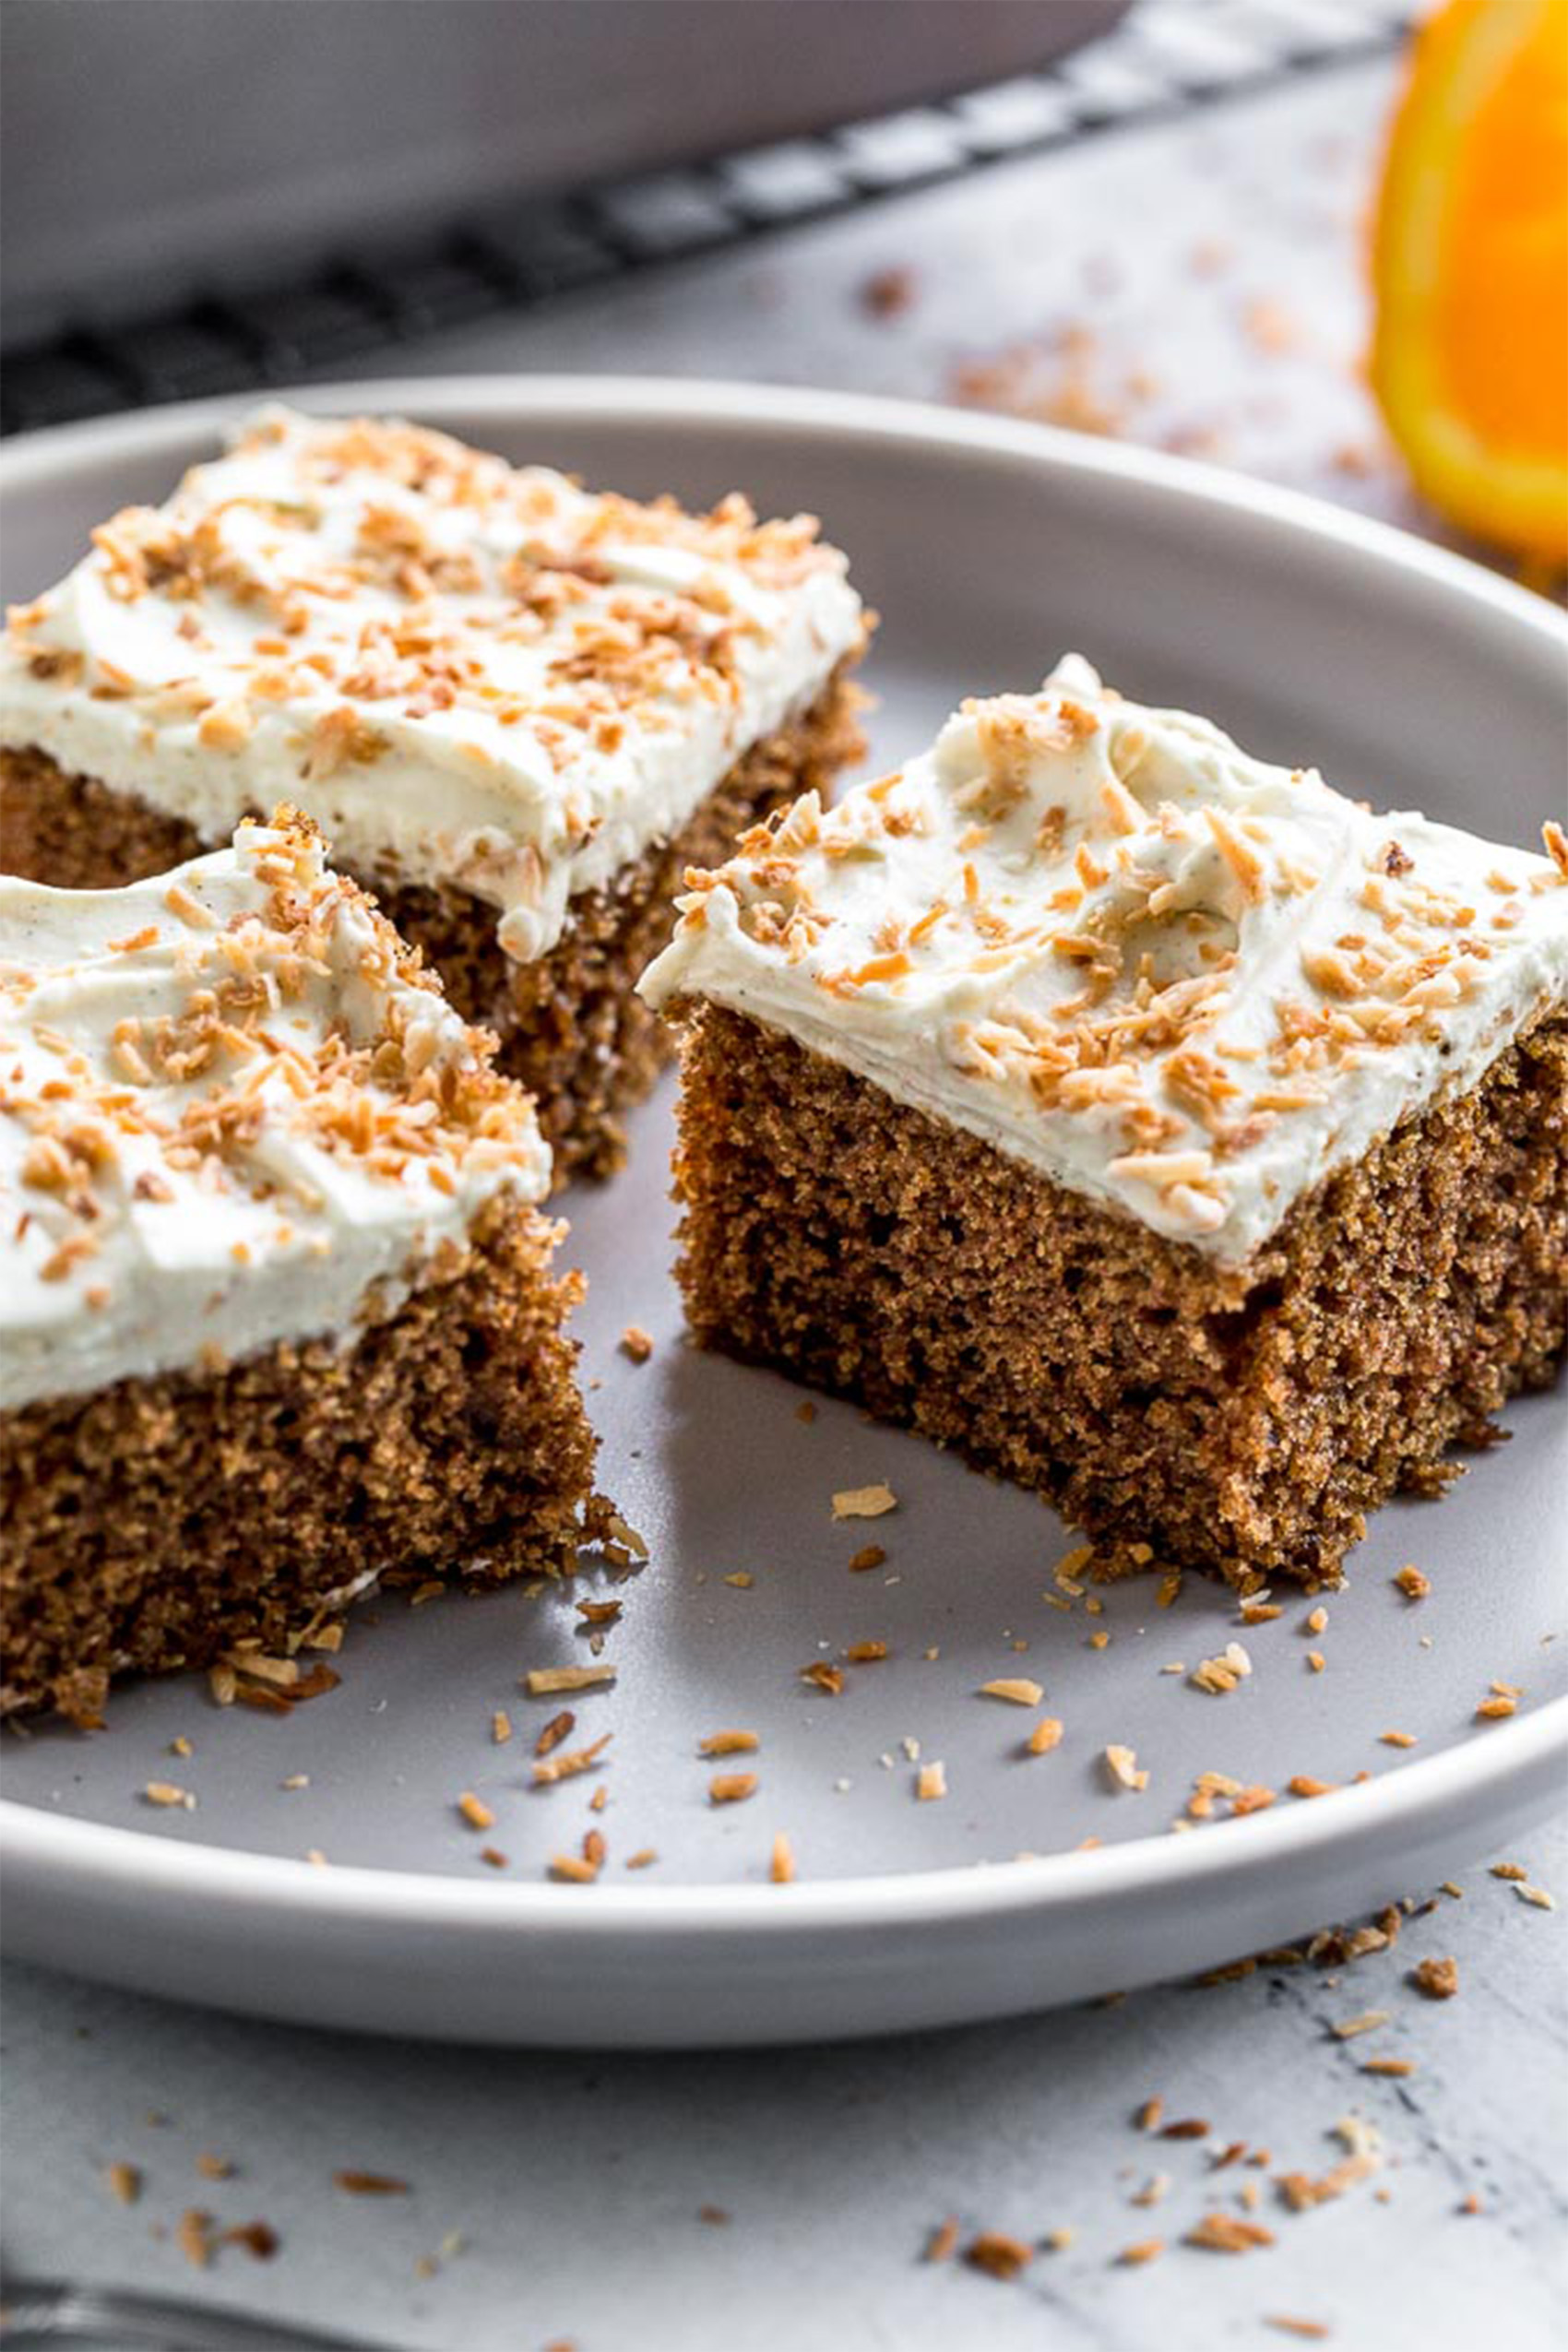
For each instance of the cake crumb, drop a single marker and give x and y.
(125, 2182)
(499, 1727)
(475, 1812)
(728, 1743)
(931, 1782)
(1146, 2250)
(781, 1861)
(1438, 1979)
(1411, 1583)
(1046, 1735)
(636, 1343)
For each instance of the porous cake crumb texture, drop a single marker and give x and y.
(1242, 1419)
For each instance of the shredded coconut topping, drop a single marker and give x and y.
(1118, 947)
(466, 673)
(234, 1110)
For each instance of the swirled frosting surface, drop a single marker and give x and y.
(1162, 972)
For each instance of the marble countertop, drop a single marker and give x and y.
(1196, 284)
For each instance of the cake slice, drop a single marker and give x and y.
(517, 708)
(1159, 1129)
(276, 1312)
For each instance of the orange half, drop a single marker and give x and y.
(1470, 271)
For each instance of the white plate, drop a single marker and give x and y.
(989, 547)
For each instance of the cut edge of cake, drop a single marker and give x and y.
(280, 1310)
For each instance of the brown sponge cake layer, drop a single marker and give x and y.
(156, 1523)
(571, 1029)
(1241, 1421)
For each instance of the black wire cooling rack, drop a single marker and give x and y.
(1165, 57)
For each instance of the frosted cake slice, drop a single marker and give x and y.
(517, 709)
(278, 1312)
(1160, 1129)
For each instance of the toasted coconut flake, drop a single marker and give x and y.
(1146, 2250)
(728, 1743)
(732, 1787)
(125, 2182)
(1017, 1690)
(567, 1763)
(543, 1682)
(193, 2235)
(998, 2255)
(942, 2244)
(870, 1555)
(931, 1783)
(781, 1861)
(1122, 1763)
(1046, 1735)
(1224, 2233)
(576, 1868)
(370, 2185)
(1437, 1979)
(475, 1812)
(864, 1501)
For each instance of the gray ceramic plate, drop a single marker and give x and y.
(988, 547)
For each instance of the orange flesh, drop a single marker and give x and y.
(1500, 325)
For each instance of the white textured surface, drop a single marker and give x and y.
(190, 1157)
(466, 673)
(1110, 943)
(576, 2183)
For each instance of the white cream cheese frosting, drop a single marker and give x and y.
(466, 673)
(231, 1113)
(1109, 942)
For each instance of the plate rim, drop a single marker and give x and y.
(59, 1850)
